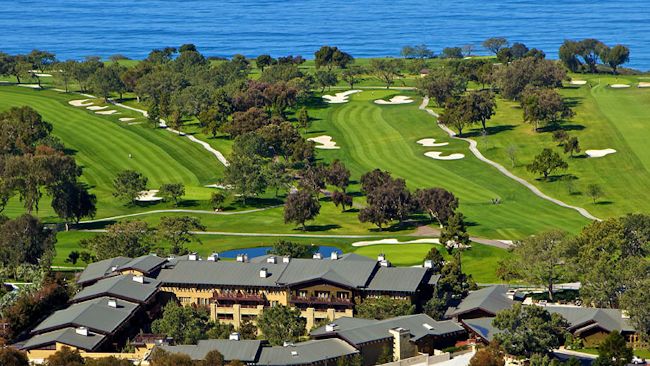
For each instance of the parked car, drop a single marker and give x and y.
(638, 361)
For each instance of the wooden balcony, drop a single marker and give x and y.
(316, 300)
(238, 297)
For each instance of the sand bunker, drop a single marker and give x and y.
(578, 82)
(398, 99)
(109, 112)
(339, 97)
(431, 143)
(599, 153)
(619, 86)
(80, 103)
(438, 155)
(395, 241)
(135, 123)
(220, 186)
(96, 107)
(43, 75)
(126, 119)
(644, 84)
(32, 86)
(324, 142)
(148, 196)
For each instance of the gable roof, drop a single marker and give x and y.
(221, 273)
(358, 332)
(581, 318)
(483, 327)
(94, 314)
(350, 273)
(145, 264)
(101, 269)
(306, 353)
(243, 350)
(67, 336)
(490, 299)
(122, 287)
(398, 279)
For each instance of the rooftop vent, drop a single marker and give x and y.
(428, 263)
(242, 258)
(294, 353)
(82, 331)
(317, 256)
(335, 255)
(264, 273)
(271, 260)
(138, 279)
(213, 257)
(286, 259)
(384, 263)
(234, 336)
(381, 257)
(193, 257)
(331, 327)
(427, 326)
(112, 302)
(114, 268)
(287, 344)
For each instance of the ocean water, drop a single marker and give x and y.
(78, 28)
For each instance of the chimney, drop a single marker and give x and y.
(286, 259)
(82, 331)
(114, 268)
(381, 257)
(138, 279)
(263, 272)
(213, 257)
(234, 336)
(193, 257)
(428, 263)
(334, 256)
(271, 260)
(294, 353)
(330, 327)
(245, 257)
(317, 256)
(112, 302)
(287, 344)
(240, 258)
(384, 263)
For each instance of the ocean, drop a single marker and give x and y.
(74, 29)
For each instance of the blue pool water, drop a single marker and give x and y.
(325, 250)
(74, 29)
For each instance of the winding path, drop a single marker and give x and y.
(179, 210)
(474, 149)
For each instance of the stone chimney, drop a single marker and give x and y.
(213, 257)
(317, 256)
(334, 256)
(428, 263)
(264, 272)
(402, 346)
(83, 331)
(193, 257)
(138, 279)
(286, 259)
(381, 257)
(271, 259)
(112, 302)
(234, 336)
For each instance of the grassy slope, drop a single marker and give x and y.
(605, 118)
(384, 137)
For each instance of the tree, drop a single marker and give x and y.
(594, 191)
(330, 57)
(10, 356)
(352, 75)
(108, 361)
(160, 357)
(293, 250)
(590, 49)
(438, 203)
(25, 240)
(616, 56)
(338, 175)
(543, 106)
(568, 55)
(248, 330)
(217, 200)
(106, 80)
(73, 257)
(383, 308)
(488, 356)
(481, 106)
(128, 184)
(65, 357)
(386, 69)
(300, 207)
(452, 52)
(281, 324)
(178, 231)
(548, 268)
(636, 300)
(263, 61)
(467, 50)
(437, 260)
(128, 238)
(325, 79)
(251, 120)
(528, 71)
(72, 201)
(571, 146)
(246, 175)
(342, 199)
(494, 44)
(388, 199)
(527, 330)
(20, 130)
(546, 163)
(303, 118)
(185, 324)
(172, 192)
(442, 85)
(455, 235)
(615, 350)
(386, 355)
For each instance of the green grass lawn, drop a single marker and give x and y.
(605, 118)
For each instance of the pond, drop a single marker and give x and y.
(324, 250)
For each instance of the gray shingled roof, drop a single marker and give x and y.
(360, 332)
(123, 287)
(350, 273)
(490, 299)
(243, 350)
(579, 317)
(94, 314)
(402, 279)
(305, 353)
(145, 264)
(67, 336)
(483, 327)
(221, 273)
(101, 269)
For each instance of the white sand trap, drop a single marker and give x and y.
(431, 143)
(325, 142)
(135, 123)
(578, 82)
(148, 196)
(126, 119)
(220, 186)
(80, 103)
(43, 75)
(339, 98)
(599, 153)
(32, 86)
(438, 155)
(109, 112)
(395, 241)
(96, 107)
(619, 86)
(398, 99)
(644, 84)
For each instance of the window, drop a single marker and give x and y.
(204, 301)
(322, 294)
(275, 303)
(185, 300)
(302, 293)
(343, 295)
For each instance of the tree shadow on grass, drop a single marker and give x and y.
(315, 102)
(316, 228)
(187, 203)
(258, 202)
(556, 178)
(94, 225)
(604, 203)
(573, 101)
(560, 126)
(491, 130)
